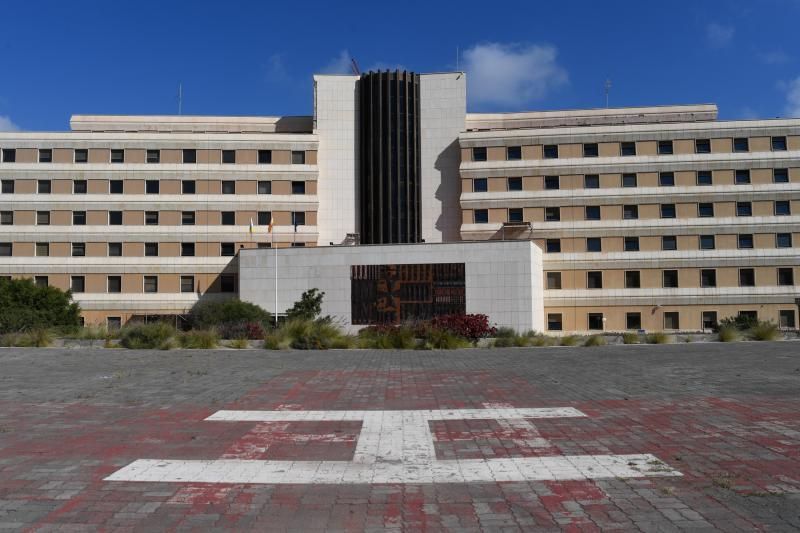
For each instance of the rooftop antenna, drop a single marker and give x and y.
(608, 90)
(180, 98)
(354, 67)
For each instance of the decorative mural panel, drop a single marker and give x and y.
(391, 294)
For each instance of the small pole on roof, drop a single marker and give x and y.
(180, 98)
(608, 90)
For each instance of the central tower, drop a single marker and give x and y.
(389, 148)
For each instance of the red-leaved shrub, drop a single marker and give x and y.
(472, 327)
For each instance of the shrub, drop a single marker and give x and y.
(344, 342)
(569, 340)
(658, 338)
(471, 327)
(630, 338)
(208, 314)
(241, 330)
(728, 334)
(442, 339)
(504, 333)
(541, 340)
(308, 307)
(25, 306)
(595, 340)
(37, 338)
(504, 342)
(147, 336)
(90, 332)
(764, 331)
(738, 322)
(239, 344)
(199, 338)
(305, 335)
(402, 337)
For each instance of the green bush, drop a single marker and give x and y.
(306, 335)
(739, 322)
(308, 307)
(630, 338)
(199, 339)
(239, 344)
(541, 340)
(764, 331)
(505, 333)
(505, 342)
(442, 339)
(90, 332)
(147, 336)
(569, 340)
(728, 334)
(25, 306)
(595, 340)
(37, 338)
(659, 338)
(402, 337)
(209, 314)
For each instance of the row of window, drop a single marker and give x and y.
(708, 278)
(189, 155)
(665, 179)
(149, 283)
(633, 321)
(151, 187)
(670, 243)
(226, 249)
(628, 148)
(631, 212)
(151, 218)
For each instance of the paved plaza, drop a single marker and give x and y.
(654, 438)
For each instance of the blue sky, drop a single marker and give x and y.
(257, 58)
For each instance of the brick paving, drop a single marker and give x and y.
(727, 417)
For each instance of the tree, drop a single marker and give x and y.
(309, 307)
(25, 306)
(206, 314)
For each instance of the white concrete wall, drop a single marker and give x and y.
(443, 108)
(336, 125)
(503, 278)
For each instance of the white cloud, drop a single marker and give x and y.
(775, 57)
(793, 98)
(276, 70)
(7, 125)
(512, 74)
(719, 35)
(338, 65)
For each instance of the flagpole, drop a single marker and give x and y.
(276, 271)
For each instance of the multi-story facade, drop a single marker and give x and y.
(648, 218)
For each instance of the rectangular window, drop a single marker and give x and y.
(227, 249)
(228, 218)
(550, 151)
(742, 177)
(744, 209)
(153, 156)
(189, 155)
(514, 153)
(672, 320)
(554, 322)
(747, 277)
(633, 320)
(115, 249)
(552, 214)
(778, 144)
(554, 280)
(627, 148)
(707, 242)
(41, 281)
(630, 212)
(115, 218)
(705, 210)
(591, 181)
(7, 218)
(227, 283)
(262, 245)
(77, 284)
(741, 144)
(264, 218)
(709, 319)
(665, 148)
(515, 214)
(115, 186)
(81, 155)
(786, 276)
(553, 246)
(79, 187)
(633, 279)
(594, 280)
(114, 284)
(782, 208)
(187, 249)
(786, 319)
(667, 210)
(551, 183)
(79, 218)
(117, 156)
(480, 216)
(7, 187)
(783, 240)
(151, 218)
(708, 278)
(151, 249)
(745, 240)
(514, 184)
(479, 153)
(702, 146)
(45, 155)
(43, 186)
(669, 242)
(187, 283)
(43, 218)
(780, 175)
(264, 187)
(187, 218)
(480, 185)
(188, 187)
(595, 321)
(592, 212)
(151, 186)
(42, 249)
(151, 284)
(670, 279)
(298, 157)
(228, 187)
(113, 323)
(9, 155)
(298, 245)
(631, 244)
(629, 180)
(590, 150)
(666, 179)
(264, 157)
(228, 157)
(298, 218)
(704, 177)
(298, 187)
(749, 314)
(6, 249)
(594, 244)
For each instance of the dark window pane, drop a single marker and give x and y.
(632, 279)
(115, 186)
(45, 156)
(590, 150)
(780, 175)
(594, 244)
(785, 276)
(115, 249)
(554, 322)
(670, 278)
(514, 153)
(550, 151)
(779, 143)
(151, 186)
(264, 187)
(264, 218)
(117, 156)
(747, 277)
(704, 177)
(79, 218)
(591, 181)
(633, 320)
(228, 218)
(229, 156)
(552, 214)
(629, 180)
(741, 144)
(79, 187)
(480, 216)
(188, 187)
(592, 212)
(153, 156)
(151, 218)
(187, 249)
(707, 242)
(744, 209)
(630, 212)
(514, 184)
(479, 185)
(665, 147)
(227, 249)
(667, 210)
(742, 177)
(515, 214)
(298, 157)
(702, 146)
(783, 240)
(81, 155)
(745, 240)
(631, 244)
(115, 218)
(189, 155)
(551, 182)
(627, 148)
(78, 249)
(705, 210)
(594, 280)
(666, 179)
(783, 207)
(227, 283)
(298, 187)
(708, 278)
(553, 246)
(595, 321)
(187, 283)
(7, 187)
(151, 249)
(298, 218)
(479, 153)
(228, 187)
(264, 157)
(43, 186)
(187, 218)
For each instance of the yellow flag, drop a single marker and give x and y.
(271, 222)
(251, 225)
